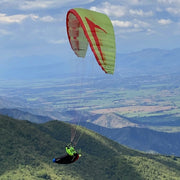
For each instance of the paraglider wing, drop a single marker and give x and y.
(86, 26)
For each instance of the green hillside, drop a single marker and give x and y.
(27, 150)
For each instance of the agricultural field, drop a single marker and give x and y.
(147, 100)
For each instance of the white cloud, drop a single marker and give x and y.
(61, 41)
(164, 21)
(174, 11)
(125, 10)
(12, 19)
(19, 18)
(46, 4)
(134, 1)
(122, 24)
(170, 6)
(40, 4)
(132, 26)
(141, 24)
(140, 12)
(111, 10)
(37, 4)
(170, 2)
(47, 19)
(4, 32)
(137, 2)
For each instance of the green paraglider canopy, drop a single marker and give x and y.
(89, 27)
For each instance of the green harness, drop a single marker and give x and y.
(70, 150)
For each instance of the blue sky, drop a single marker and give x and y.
(37, 27)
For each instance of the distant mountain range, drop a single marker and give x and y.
(142, 139)
(148, 61)
(27, 150)
(133, 136)
(21, 115)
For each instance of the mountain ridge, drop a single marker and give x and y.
(21, 115)
(137, 137)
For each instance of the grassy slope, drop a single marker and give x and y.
(27, 149)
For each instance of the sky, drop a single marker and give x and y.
(30, 28)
